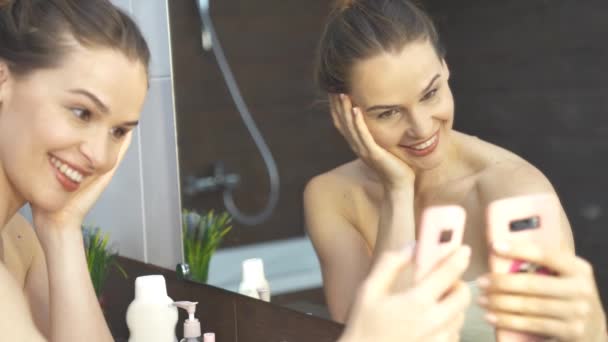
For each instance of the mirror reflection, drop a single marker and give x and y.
(373, 111)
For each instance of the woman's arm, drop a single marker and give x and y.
(74, 311)
(343, 253)
(37, 288)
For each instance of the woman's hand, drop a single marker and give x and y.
(79, 204)
(566, 306)
(395, 173)
(432, 310)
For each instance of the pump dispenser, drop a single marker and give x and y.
(192, 326)
(150, 316)
(254, 283)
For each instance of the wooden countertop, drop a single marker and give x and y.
(230, 316)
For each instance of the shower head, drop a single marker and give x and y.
(206, 36)
(203, 5)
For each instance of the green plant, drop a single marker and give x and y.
(201, 237)
(99, 256)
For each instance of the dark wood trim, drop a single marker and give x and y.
(230, 316)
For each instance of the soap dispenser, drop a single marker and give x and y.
(192, 326)
(254, 283)
(150, 316)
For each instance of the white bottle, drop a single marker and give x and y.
(254, 283)
(192, 326)
(151, 317)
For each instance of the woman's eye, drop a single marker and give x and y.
(388, 113)
(119, 132)
(81, 113)
(430, 95)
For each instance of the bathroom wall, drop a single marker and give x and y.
(141, 207)
(531, 76)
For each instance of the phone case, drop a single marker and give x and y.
(440, 233)
(533, 218)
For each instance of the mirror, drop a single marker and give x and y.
(525, 76)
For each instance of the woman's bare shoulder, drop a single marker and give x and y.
(20, 234)
(502, 173)
(347, 176)
(342, 191)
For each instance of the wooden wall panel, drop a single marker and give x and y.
(270, 46)
(526, 75)
(531, 76)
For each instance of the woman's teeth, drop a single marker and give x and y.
(425, 144)
(72, 174)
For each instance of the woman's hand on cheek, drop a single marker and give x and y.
(78, 205)
(395, 173)
(565, 306)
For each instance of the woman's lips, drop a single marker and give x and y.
(424, 148)
(67, 175)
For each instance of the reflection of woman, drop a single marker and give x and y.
(381, 63)
(73, 77)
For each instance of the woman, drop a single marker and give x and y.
(73, 78)
(383, 68)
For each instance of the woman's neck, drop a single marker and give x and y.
(453, 166)
(10, 200)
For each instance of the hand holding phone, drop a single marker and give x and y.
(440, 233)
(533, 218)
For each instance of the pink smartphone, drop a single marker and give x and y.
(534, 218)
(440, 233)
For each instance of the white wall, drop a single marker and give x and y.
(140, 209)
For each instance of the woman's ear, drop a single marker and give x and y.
(445, 68)
(5, 73)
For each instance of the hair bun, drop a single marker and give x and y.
(339, 5)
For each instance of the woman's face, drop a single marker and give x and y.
(63, 127)
(407, 103)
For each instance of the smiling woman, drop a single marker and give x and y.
(381, 65)
(73, 78)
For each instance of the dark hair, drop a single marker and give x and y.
(36, 34)
(359, 29)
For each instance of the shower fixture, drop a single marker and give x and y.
(220, 181)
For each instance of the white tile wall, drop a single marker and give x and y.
(160, 176)
(141, 207)
(151, 15)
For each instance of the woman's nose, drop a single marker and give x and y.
(99, 152)
(420, 125)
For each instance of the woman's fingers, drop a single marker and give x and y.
(534, 306)
(562, 330)
(336, 115)
(453, 304)
(554, 258)
(447, 317)
(534, 285)
(365, 137)
(445, 275)
(349, 121)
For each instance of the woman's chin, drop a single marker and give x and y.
(49, 203)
